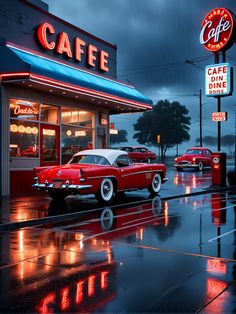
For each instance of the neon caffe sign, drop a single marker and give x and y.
(61, 44)
(217, 30)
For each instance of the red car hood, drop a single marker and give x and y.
(187, 157)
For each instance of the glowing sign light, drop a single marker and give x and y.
(62, 45)
(219, 116)
(218, 80)
(49, 132)
(217, 29)
(80, 133)
(22, 129)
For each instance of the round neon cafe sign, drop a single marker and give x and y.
(217, 30)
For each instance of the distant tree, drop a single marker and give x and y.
(169, 120)
(207, 140)
(119, 138)
(210, 140)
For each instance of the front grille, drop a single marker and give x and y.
(183, 162)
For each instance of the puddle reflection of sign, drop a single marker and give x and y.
(219, 116)
(85, 294)
(216, 266)
(218, 206)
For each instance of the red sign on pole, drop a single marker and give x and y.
(219, 116)
(217, 30)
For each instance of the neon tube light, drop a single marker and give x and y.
(89, 91)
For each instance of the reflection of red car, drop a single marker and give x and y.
(139, 153)
(195, 157)
(102, 172)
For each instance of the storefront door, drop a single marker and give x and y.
(49, 145)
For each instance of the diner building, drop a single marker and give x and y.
(58, 87)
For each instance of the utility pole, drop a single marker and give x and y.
(200, 101)
(200, 104)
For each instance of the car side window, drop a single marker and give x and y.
(140, 150)
(208, 152)
(123, 161)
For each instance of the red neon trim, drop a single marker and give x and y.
(89, 91)
(14, 74)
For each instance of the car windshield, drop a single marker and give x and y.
(194, 152)
(89, 159)
(127, 149)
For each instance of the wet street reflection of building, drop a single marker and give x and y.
(71, 268)
(124, 258)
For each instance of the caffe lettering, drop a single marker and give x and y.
(214, 32)
(18, 110)
(62, 44)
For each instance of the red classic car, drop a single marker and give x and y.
(139, 153)
(102, 172)
(195, 157)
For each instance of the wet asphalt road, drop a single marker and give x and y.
(139, 255)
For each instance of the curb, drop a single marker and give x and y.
(12, 226)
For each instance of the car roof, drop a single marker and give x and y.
(110, 154)
(198, 148)
(134, 147)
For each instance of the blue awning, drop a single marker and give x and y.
(60, 72)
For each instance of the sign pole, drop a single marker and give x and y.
(219, 110)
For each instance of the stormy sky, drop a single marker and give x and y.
(154, 39)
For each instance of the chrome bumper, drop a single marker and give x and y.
(63, 186)
(164, 180)
(187, 165)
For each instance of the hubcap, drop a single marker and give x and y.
(107, 190)
(156, 183)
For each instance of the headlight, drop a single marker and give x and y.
(176, 159)
(194, 159)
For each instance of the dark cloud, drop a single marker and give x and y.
(154, 38)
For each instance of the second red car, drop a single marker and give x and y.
(139, 153)
(195, 157)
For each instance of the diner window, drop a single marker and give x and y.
(85, 119)
(24, 139)
(49, 114)
(76, 117)
(74, 139)
(24, 110)
(70, 116)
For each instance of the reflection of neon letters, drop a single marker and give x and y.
(22, 129)
(86, 288)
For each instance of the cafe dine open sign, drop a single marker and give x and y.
(218, 79)
(219, 116)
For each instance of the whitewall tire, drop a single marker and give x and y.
(156, 184)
